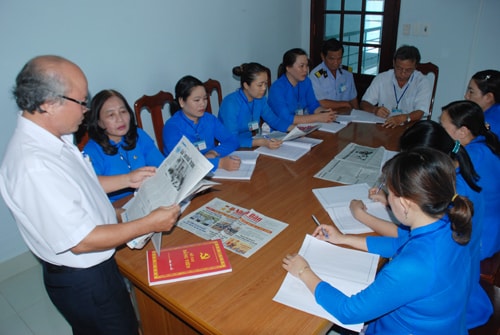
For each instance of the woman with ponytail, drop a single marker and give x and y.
(431, 134)
(464, 121)
(242, 110)
(484, 89)
(425, 286)
(291, 96)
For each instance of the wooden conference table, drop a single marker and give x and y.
(240, 302)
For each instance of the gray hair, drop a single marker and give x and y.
(39, 82)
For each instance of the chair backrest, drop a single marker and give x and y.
(427, 68)
(154, 105)
(269, 81)
(210, 86)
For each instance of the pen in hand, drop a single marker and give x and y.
(319, 224)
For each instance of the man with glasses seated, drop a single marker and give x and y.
(402, 94)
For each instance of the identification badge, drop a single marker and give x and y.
(299, 111)
(253, 125)
(200, 145)
(342, 88)
(396, 111)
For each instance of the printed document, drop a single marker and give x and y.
(242, 231)
(356, 164)
(348, 270)
(179, 176)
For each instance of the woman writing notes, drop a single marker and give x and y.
(291, 96)
(200, 127)
(432, 135)
(242, 110)
(423, 289)
(464, 121)
(484, 89)
(119, 150)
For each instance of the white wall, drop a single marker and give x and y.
(140, 47)
(462, 40)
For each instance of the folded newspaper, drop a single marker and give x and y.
(242, 231)
(178, 178)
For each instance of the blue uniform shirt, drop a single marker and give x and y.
(417, 292)
(492, 117)
(479, 307)
(207, 130)
(487, 166)
(238, 114)
(327, 87)
(286, 99)
(145, 153)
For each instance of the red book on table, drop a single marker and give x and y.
(185, 262)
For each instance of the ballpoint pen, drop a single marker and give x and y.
(379, 187)
(319, 224)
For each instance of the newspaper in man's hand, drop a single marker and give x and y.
(178, 177)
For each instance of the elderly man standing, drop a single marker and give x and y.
(402, 94)
(60, 207)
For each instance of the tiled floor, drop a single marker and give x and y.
(25, 308)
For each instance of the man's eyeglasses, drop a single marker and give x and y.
(84, 104)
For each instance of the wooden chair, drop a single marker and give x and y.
(427, 68)
(154, 105)
(269, 81)
(213, 85)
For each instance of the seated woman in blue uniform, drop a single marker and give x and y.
(430, 134)
(200, 127)
(291, 96)
(484, 89)
(118, 150)
(424, 287)
(464, 121)
(242, 110)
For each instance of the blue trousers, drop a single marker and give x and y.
(94, 301)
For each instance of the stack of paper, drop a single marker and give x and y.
(291, 150)
(248, 162)
(348, 270)
(360, 116)
(333, 127)
(336, 200)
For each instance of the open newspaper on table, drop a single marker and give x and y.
(242, 231)
(348, 270)
(356, 164)
(178, 177)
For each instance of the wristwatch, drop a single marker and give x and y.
(408, 119)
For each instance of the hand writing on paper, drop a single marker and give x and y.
(381, 111)
(333, 233)
(377, 194)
